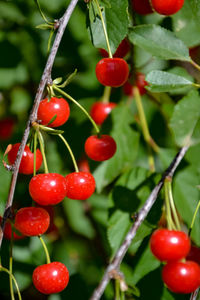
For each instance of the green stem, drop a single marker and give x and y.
(104, 29)
(35, 149)
(168, 185)
(117, 290)
(10, 266)
(80, 106)
(170, 223)
(106, 94)
(42, 14)
(45, 249)
(43, 152)
(194, 217)
(13, 278)
(70, 152)
(195, 65)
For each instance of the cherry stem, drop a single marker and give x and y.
(106, 94)
(195, 65)
(35, 149)
(194, 218)
(10, 266)
(170, 222)
(42, 14)
(70, 152)
(117, 290)
(104, 29)
(80, 106)
(41, 141)
(168, 185)
(13, 278)
(45, 249)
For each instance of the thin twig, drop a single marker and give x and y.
(194, 295)
(115, 263)
(46, 78)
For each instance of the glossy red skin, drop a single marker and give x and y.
(48, 109)
(80, 185)
(122, 50)
(83, 165)
(8, 232)
(6, 128)
(100, 111)
(32, 221)
(51, 278)
(140, 82)
(27, 162)
(142, 7)
(112, 71)
(167, 7)
(100, 149)
(169, 245)
(194, 254)
(181, 277)
(47, 189)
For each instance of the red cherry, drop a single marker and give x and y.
(6, 128)
(80, 185)
(83, 165)
(167, 7)
(169, 245)
(100, 111)
(142, 7)
(100, 148)
(48, 109)
(181, 277)
(51, 278)
(122, 50)
(112, 71)
(47, 189)
(32, 221)
(27, 162)
(194, 254)
(8, 231)
(140, 82)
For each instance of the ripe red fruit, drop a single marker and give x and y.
(48, 109)
(32, 221)
(100, 111)
(6, 128)
(169, 245)
(47, 189)
(181, 277)
(51, 278)
(167, 7)
(194, 254)
(140, 82)
(8, 231)
(27, 162)
(83, 165)
(142, 7)
(100, 148)
(122, 50)
(80, 185)
(112, 71)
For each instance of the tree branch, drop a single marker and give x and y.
(46, 77)
(115, 263)
(194, 295)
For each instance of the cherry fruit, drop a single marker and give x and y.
(6, 128)
(100, 148)
(167, 7)
(194, 254)
(80, 185)
(181, 277)
(47, 189)
(140, 82)
(112, 71)
(8, 231)
(27, 162)
(142, 7)
(122, 50)
(100, 111)
(167, 245)
(83, 165)
(32, 221)
(58, 107)
(51, 278)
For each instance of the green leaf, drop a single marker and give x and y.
(116, 19)
(50, 130)
(185, 119)
(44, 26)
(127, 145)
(160, 81)
(186, 196)
(159, 41)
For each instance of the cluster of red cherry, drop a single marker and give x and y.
(173, 246)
